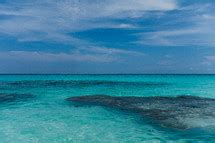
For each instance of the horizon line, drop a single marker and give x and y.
(107, 73)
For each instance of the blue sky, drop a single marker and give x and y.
(107, 36)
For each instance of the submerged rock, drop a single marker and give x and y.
(14, 97)
(182, 112)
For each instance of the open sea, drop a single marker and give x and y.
(33, 108)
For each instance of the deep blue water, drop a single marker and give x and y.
(33, 108)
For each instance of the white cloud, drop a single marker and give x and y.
(90, 54)
(125, 26)
(193, 26)
(53, 20)
(208, 62)
(111, 51)
(181, 37)
(200, 36)
(210, 58)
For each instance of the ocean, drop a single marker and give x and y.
(33, 108)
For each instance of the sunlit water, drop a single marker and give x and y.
(48, 117)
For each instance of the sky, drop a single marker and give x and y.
(107, 36)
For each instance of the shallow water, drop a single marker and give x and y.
(47, 117)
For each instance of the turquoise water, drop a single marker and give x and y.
(48, 117)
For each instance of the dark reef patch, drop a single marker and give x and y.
(79, 83)
(182, 112)
(14, 97)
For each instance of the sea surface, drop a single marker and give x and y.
(33, 108)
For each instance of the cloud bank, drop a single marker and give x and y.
(53, 20)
